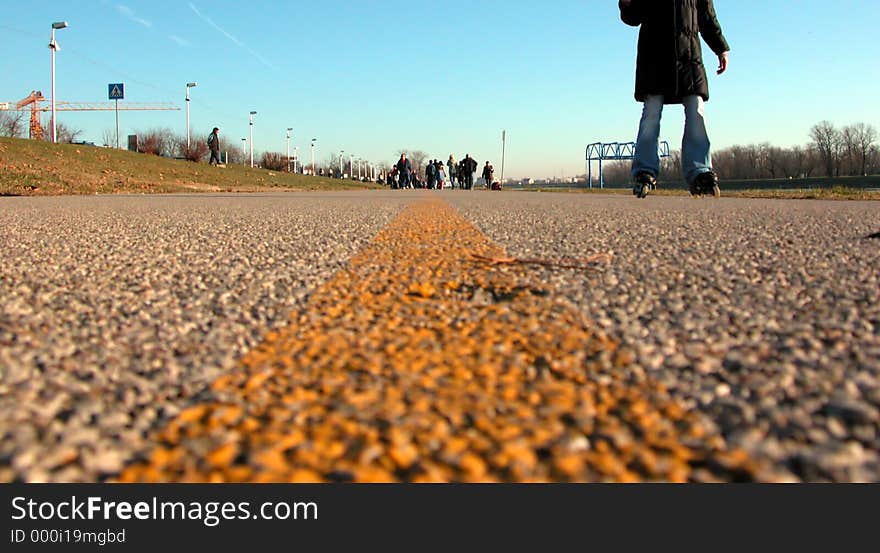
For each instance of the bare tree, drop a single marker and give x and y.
(159, 142)
(108, 137)
(860, 139)
(827, 142)
(874, 161)
(331, 165)
(273, 161)
(12, 124)
(66, 134)
(196, 152)
(418, 159)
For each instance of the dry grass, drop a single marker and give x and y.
(31, 168)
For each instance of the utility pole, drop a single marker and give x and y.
(54, 47)
(341, 169)
(289, 130)
(252, 137)
(313, 156)
(243, 149)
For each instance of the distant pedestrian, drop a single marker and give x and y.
(392, 178)
(488, 174)
(214, 146)
(670, 71)
(470, 167)
(431, 174)
(441, 175)
(451, 169)
(404, 171)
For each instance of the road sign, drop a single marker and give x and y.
(116, 91)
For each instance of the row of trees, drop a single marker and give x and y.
(832, 152)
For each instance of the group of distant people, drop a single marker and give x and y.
(457, 173)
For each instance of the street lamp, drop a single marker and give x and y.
(351, 166)
(295, 157)
(313, 155)
(341, 170)
(289, 130)
(188, 86)
(243, 149)
(251, 119)
(54, 47)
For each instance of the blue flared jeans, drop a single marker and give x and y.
(696, 151)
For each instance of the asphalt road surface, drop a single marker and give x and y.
(758, 319)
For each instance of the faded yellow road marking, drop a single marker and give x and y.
(417, 363)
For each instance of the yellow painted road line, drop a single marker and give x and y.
(416, 363)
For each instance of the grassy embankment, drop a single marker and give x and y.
(32, 168)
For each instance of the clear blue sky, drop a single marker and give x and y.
(371, 77)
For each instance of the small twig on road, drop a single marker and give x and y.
(588, 263)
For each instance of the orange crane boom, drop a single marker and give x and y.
(33, 103)
(36, 129)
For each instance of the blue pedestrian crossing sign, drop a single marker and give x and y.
(116, 91)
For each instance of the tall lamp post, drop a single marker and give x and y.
(188, 86)
(251, 119)
(341, 170)
(295, 158)
(54, 47)
(313, 155)
(289, 130)
(243, 149)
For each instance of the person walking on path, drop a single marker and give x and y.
(674, 75)
(440, 173)
(214, 145)
(488, 174)
(404, 171)
(470, 167)
(450, 164)
(431, 174)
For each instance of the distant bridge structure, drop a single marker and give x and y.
(614, 151)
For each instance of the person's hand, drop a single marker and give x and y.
(722, 62)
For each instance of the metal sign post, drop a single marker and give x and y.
(116, 92)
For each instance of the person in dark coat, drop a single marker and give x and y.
(470, 166)
(431, 174)
(488, 174)
(214, 146)
(404, 171)
(670, 70)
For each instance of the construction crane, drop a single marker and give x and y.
(32, 104)
(36, 129)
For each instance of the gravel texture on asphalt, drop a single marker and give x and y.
(762, 315)
(116, 312)
(421, 362)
